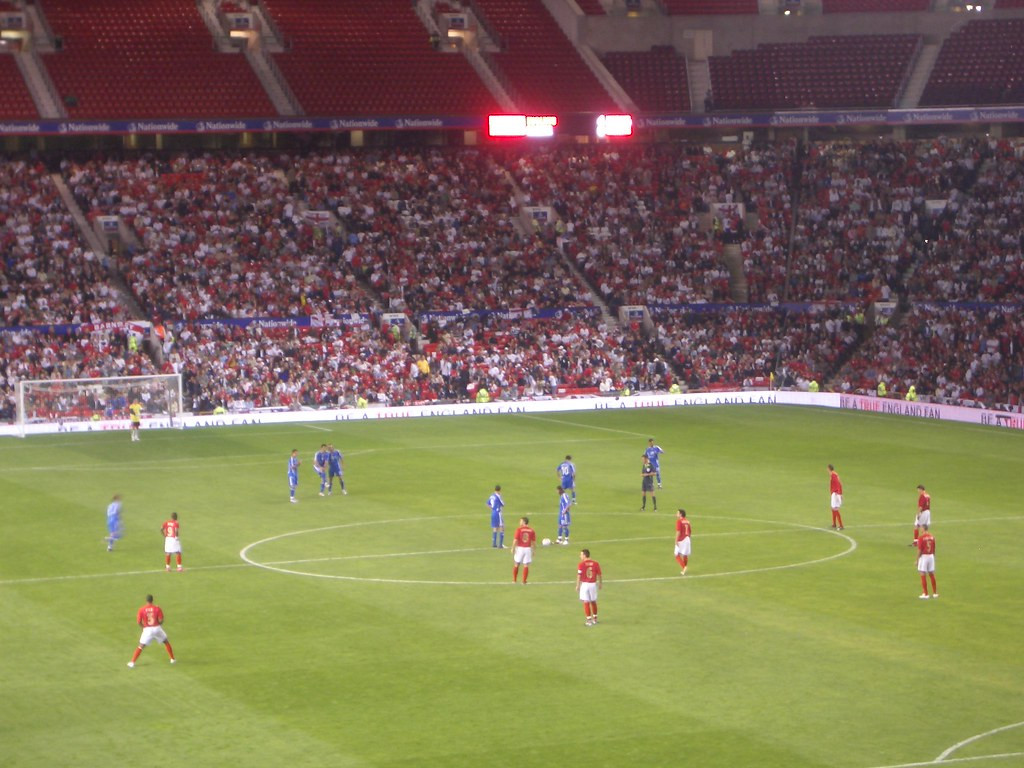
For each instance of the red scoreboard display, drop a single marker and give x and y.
(543, 126)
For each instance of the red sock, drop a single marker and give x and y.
(167, 559)
(526, 572)
(179, 559)
(916, 534)
(924, 584)
(934, 588)
(593, 609)
(169, 651)
(136, 654)
(515, 572)
(679, 559)
(586, 610)
(839, 517)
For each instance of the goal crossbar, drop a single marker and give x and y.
(53, 405)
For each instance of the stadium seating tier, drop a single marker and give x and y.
(146, 61)
(371, 59)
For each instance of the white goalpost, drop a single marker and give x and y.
(76, 405)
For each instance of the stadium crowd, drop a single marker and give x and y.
(864, 213)
(439, 235)
(956, 354)
(734, 348)
(631, 216)
(50, 275)
(335, 366)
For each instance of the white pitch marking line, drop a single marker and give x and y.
(583, 426)
(319, 429)
(249, 563)
(979, 758)
(264, 461)
(1008, 518)
(972, 739)
(425, 553)
(244, 554)
(115, 574)
(945, 759)
(379, 556)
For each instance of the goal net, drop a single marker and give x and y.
(55, 405)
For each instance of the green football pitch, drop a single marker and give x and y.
(381, 628)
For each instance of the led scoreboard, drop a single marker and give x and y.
(543, 126)
(614, 125)
(521, 126)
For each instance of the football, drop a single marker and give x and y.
(546, 543)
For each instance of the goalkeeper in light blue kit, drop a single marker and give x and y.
(320, 459)
(564, 516)
(113, 522)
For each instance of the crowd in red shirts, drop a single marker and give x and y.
(330, 234)
(640, 223)
(950, 353)
(49, 275)
(732, 348)
(976, 240)
(260, 367)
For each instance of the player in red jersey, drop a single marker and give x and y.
(926, 563)
(151, 619)
(835, 488)
(172, 544)
(683, 531)
(924, 513)
(588, 582)
(522, 551)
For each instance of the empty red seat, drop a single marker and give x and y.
(148, 60)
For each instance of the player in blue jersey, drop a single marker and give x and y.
(320, 465)
(564, 516)
(335, 469)
(567, 471)
(496, 504)
(113, 522)
(293, 475)
(653, 453)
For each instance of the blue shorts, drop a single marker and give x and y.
(497, 520)
(568, 482)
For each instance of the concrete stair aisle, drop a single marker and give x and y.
(39, 84)
(918, 78)
(699, 75)
(732, 256)
(93, 240)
